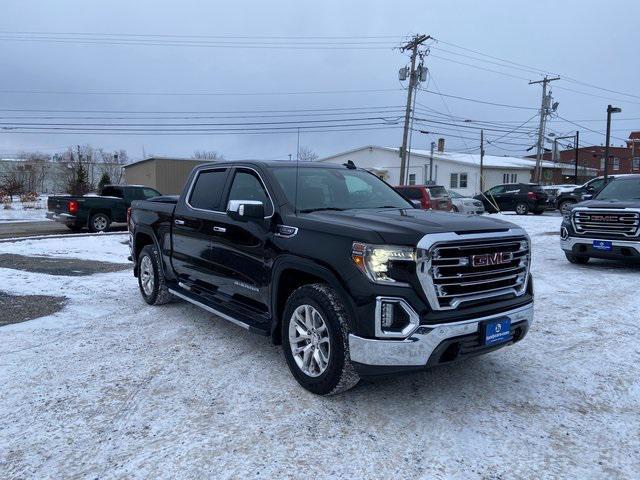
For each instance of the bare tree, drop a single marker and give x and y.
(305, 154)
(10, 183)
(35, 168)
(111, 164)
(207, 155)
(75, 169)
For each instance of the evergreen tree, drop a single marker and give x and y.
(105, 179)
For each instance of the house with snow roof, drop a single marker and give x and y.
(456, 171)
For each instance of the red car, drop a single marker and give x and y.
(427, 197)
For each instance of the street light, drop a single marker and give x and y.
(610, 110)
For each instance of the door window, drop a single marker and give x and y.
(496, 190)
(247, 186)
(207, 190)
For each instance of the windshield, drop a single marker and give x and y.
(336, 189)
(453, 194)
(621, 189)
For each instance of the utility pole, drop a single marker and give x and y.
(413, 81)
(575, 173)
(544, 111)
(482, 160)
(610, 110)
(433, 146)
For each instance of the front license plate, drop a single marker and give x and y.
(497, 331)
(602, 245)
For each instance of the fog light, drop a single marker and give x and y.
(387, 314)
(564, 233)
(394, 318)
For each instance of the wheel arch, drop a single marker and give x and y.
(141, 238)
(293, 272)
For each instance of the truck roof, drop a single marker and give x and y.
(272, 164)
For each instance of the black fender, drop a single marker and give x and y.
(308, 266)
(147, 231)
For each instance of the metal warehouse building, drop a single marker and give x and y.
(167, 175)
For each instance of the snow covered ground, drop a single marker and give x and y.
(32, 211)
(110, 387)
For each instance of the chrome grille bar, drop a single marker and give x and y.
(457, 268)
(622, 223)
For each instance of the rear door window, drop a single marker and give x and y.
(207, 191)
(437, 192)
(411, 193)
(112, 192)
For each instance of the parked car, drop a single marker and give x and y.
(462, 204)
(97, 212)
(566, 199)
(337, 266)
(607, 226)
(427, 197)
(521, 198)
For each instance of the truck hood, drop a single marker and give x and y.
(406, 226)
(606, 204)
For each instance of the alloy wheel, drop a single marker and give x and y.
(146, 275)
(100, 223)
(309, 340)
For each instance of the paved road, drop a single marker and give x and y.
(40, 227)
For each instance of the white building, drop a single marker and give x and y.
(456, 171)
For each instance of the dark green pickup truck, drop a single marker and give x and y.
(97, 212)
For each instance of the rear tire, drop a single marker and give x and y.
(316, 322)
(99, 222)
(454, 209)
(151, 281)
(522, 209)
(575, 259)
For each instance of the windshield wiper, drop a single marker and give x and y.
(319, 209)
(389, 206)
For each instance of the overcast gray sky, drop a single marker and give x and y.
(591, 42)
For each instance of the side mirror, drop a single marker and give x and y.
(245, 210)
(587, 196)
(590, 189)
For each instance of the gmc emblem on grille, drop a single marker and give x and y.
(603, 218)
(488, 259)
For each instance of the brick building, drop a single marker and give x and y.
(591, 160)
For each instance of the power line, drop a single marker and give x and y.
(197, 94)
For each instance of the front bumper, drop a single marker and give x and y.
(433, 344)
(583, 246)
(65, 218)
(471, 209)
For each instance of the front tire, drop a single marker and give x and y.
(151, 281)
(575, 259)
(315, 340)
(99, 222)
(522, 209)
(566, 206)
(454, 209)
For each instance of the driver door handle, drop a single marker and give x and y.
(178, 222)
(219, 229)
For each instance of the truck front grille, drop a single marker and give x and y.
(614, 223)
(454, 272)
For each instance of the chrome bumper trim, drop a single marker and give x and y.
(570, 242)
(418, 347)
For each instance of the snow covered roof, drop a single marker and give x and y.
(490, 161)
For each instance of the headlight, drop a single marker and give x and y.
(377, 261)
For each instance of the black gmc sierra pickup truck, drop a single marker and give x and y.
(607, 226)
(334, 264)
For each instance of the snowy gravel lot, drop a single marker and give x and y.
(112, 388)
